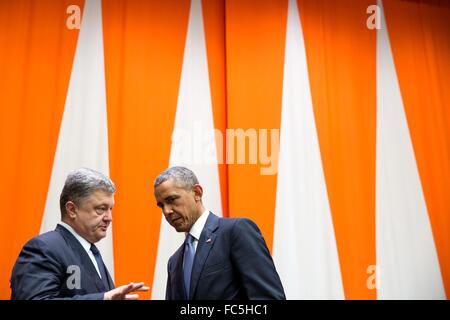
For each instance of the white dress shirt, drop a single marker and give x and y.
(197, 228)
(84, 243)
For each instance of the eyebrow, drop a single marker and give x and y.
(103, 205)
(169, 197)
(172, 196)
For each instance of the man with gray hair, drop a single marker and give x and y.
(221, 258)
(65, 263)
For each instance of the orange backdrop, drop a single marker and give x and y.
(144, 46)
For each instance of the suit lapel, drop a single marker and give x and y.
(204, 246)
(86, 262)
(110, 280)
(177, 274)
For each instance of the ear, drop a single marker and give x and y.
(71, 209)
(198, 192)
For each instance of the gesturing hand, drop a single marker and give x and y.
(122, 292)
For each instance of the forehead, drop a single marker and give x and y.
(167, 188)
(100, 197)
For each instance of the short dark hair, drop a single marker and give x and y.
(183, 177)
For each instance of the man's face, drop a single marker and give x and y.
(92, 217)
(180, 207)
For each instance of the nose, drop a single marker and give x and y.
(167, 210)
(108, 215)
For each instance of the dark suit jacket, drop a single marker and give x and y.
(47, 265)
(231, 262)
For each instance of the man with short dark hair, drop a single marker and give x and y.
(65, 263)
(221, 258)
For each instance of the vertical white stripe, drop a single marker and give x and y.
(193, 143)
(83, 136)
(406, 254)
(304, 250)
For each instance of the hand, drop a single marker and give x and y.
(121, 293)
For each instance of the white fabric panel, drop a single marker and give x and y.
(406, 254)
(83, 135)
(304, 248)
(193, 143)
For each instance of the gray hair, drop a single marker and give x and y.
(183, 177)
(81, 183)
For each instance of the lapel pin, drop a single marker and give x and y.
(208, 240)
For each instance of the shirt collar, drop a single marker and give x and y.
(84, 243)
(197, 228)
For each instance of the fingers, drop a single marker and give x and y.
(135, 287)
(122, 291)
(143, 289)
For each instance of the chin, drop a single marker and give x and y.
(100, 236)
(180, 229)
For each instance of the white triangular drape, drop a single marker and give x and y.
(193, 140)
(83, 135)
(408, 266)
(304, 247)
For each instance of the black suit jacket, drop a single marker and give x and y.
(47, 266)
(231, 262)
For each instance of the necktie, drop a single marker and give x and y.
(189, 253)
(101, 265)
